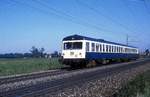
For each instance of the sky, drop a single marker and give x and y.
(44, 23)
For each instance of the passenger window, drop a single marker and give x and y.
(115, 49)
(118, 49)
(103, 48)
(97, 47)
(87, 46)
(93, 47)
(100, 46)
(110, 49)
(121, 50)
(106, 48)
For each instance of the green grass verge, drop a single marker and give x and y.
(18, 66)
(139, 87)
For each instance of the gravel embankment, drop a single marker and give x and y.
(104, 87)
(20, 84)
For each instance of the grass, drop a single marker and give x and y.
(18, 66)
(139, 87)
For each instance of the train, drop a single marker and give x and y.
(82, 51)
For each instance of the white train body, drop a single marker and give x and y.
(77, 49)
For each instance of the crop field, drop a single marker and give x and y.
(27, 65)
(139, 87)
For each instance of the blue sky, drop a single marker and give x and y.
(44, 23)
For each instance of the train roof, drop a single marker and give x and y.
(79, 37)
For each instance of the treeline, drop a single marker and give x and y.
(33, 53)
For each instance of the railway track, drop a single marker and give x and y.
(59, 84)
(13, 79)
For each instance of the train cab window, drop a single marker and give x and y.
(97, 47)
(93, 47)
(87, 46)
(72, 45)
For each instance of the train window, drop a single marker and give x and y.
(100, 48)
(125, 50)
(106, 48)
(103, 48)
(97, 47)
(77, 45)
(115, 49)
(109, 48)
(67, 45)
(72, 45)
(93, 46)
(87, 46)
(112, 49)
(120, 49)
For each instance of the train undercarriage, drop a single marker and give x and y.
(81, 63)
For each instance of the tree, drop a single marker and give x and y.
(55, 54)
(42, 52)
(35, 52)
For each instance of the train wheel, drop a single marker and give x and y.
(91, 63)
(104, 61)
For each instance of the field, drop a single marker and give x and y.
(139, 87)
(27, 65)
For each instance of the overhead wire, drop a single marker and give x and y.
(146, 6)
(61, 14)
(107, 17)
(133, 16)
(73, 18)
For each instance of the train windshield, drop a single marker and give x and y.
(72, 45)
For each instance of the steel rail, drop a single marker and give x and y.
(59, 84)
(30, 76)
